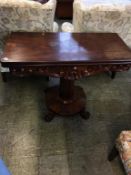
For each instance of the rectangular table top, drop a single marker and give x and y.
(65, 48)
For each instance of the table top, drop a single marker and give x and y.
(65, 48)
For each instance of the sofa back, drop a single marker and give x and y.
(25, 15)
(103, 16)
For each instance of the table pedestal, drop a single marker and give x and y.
(65, 100)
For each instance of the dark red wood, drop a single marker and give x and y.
(66, 91)
(64, 9)
(69, 56)
(66, 100)
(65, 105)
(65, 49)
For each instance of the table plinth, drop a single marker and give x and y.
(65, 100)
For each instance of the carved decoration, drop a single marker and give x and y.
(68, 72)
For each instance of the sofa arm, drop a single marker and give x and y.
(27, 4)
(55, 27)
(67, 27)
(27, 16)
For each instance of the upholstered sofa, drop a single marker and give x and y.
(123, 147)
(101, 16)
(26, 15)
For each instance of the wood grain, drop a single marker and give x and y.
(65, 49)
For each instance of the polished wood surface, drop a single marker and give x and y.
(66, 100)
(65, 48)
(69, 56)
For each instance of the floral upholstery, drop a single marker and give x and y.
(103, 16)
(123, 144)
(26, 15)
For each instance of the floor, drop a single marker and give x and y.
(65, 146)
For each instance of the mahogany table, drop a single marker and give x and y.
(69, 56)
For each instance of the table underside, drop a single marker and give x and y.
(66, 99)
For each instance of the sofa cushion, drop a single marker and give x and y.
(124, 147)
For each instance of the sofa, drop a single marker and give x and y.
(101, 16)
(27, 15)
(123, 148)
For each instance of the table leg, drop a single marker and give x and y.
(84, 114)
(49, 116)
(4, 76)
(113, 74)
(114, 152)
(66, 99)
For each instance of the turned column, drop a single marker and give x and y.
(66, 89)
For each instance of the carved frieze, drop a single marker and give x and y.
(69, 71)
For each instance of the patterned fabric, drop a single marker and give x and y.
(123, 144)
(25, 15)
(67, 27)
(103, 16)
